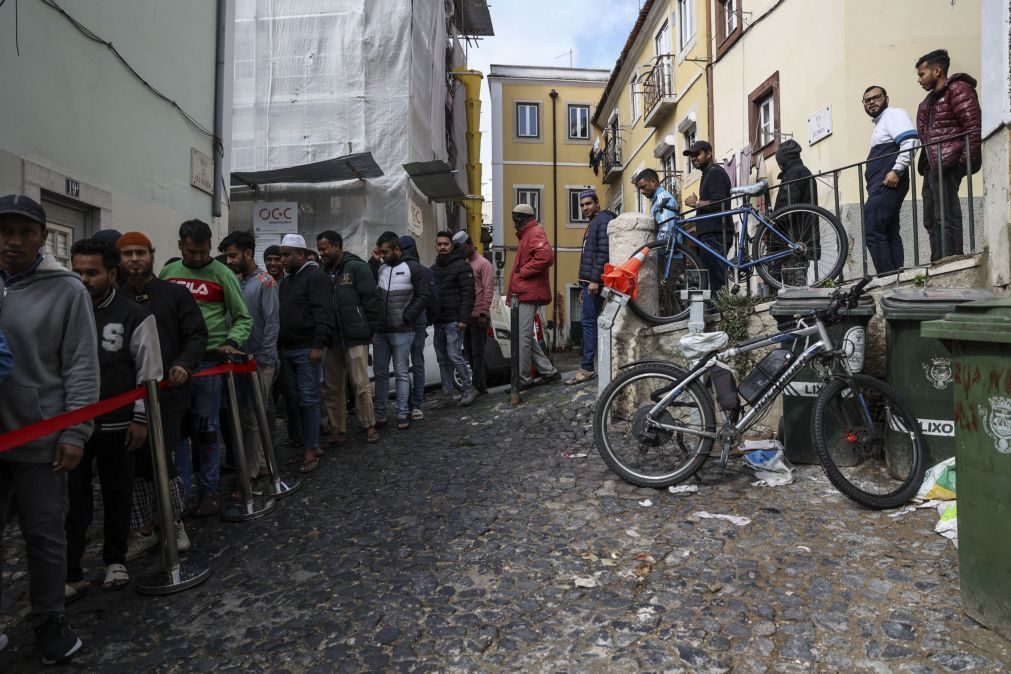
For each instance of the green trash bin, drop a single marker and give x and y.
(980, 336)
(799, 396)
(920, 369)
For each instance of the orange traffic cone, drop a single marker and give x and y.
(625, 279)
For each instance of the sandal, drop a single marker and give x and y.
(116, 578)
(309, 465)
(403, 424)
(581, 376)
(74, 591)
(371, 435)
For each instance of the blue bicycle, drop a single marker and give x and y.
(801, 245)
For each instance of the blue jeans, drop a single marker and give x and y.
(418, 365)
(303, 386)
(395, 346)
(449, 351)
(205, 400)
(591, 309)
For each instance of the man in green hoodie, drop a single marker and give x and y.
(46, 315)
(358, 311)
(217, 292)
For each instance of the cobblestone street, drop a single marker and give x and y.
(457, 545)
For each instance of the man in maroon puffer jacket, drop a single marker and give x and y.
(529, 283)
(950, 110)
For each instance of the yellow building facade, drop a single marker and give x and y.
(656, 102)
(775, 78)
(541, 141)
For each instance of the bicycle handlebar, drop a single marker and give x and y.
(842, 299)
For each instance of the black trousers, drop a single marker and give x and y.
(949, 229)
(474, 340)
(717, 268)
(881, 227)
(292, 415)
(115, 472)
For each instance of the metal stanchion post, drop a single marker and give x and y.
(613, 302)
(697, 299)
(248, 509)
(514, 348)
(279, 487)
(177, 575)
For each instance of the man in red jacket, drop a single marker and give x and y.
(529, 283)
(950, 110)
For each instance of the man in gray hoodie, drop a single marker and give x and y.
(46, 314)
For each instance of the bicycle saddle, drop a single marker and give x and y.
(750, 190)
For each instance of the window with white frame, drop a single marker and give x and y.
(729, 16)
(58, 243)
(616, 205)
(531, 197)
(575, 212)
(766, 120)
(686, 22)
(669, 164)
(690, 137)
(528, 123)
(579, 122)
(662, 40)
(633, 88)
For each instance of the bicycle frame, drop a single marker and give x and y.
(743, 211)
(824, 345)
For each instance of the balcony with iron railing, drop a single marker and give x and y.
(612, 156)
(658, 95)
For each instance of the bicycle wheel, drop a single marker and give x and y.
(821, 251)
(630, 440)
(878, 464)
(685, 274)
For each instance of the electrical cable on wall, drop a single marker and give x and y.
(83, 30)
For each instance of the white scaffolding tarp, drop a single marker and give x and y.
(317, 79)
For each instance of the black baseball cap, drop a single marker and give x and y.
(698, 146)
(19, 204)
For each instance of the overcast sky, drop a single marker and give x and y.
(541, 33)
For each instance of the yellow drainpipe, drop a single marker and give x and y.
(471, 80)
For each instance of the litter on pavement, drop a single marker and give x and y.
(767, 459)
(683, 489)
(703, 515)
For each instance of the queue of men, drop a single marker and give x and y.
(71, 338)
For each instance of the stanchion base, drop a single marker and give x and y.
(284, 487)
(191, 573)
(243, 512)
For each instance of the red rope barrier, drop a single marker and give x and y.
(41, 429)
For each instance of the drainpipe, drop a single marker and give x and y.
(219, 109)
(554, 206)
(471, 80)
(710, 114)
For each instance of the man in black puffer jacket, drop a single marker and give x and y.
(596, 252)
(357, 312)
(455, 279)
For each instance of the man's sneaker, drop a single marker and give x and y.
(182, 540)
(57, 640)
(469, 396)
(139, 544)
(550, 379)
(417, 414)
(208, 506)
(3, 641)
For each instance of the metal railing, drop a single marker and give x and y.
(658, 83)
(612, 150)
(942, 222)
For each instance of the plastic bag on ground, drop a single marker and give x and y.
(947, 526)
(769, 462)
(938, 483)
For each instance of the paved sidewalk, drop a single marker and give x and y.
(456, 547)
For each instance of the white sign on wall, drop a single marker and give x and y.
(201, 171)
(819, 125)
(271, 221)
(416, 220)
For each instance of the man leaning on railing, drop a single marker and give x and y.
(949, 112)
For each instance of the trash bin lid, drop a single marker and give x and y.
(986, 320)
(791, 301)
(925, 304)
